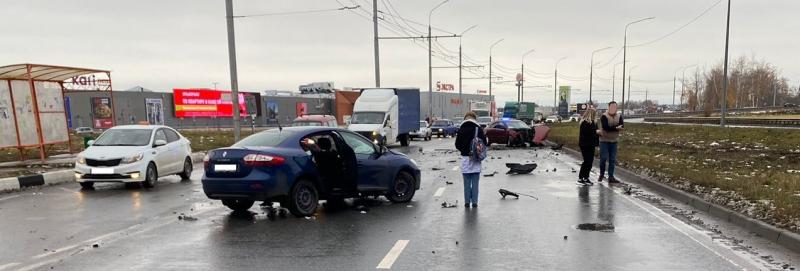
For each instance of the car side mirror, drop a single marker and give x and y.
(90, 142)
(159, 143)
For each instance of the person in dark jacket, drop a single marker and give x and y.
(587, 141)
(470, 169)
(611, 123)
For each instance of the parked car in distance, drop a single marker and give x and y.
(315, 120)
(552, 119)
(134, 154)
(443, 128)
(574, 118)
(509, 132)
(298, 166)
(483, 121)
(423, 132)
(789, 105)
(84, 130)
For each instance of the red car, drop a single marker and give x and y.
(509, 132)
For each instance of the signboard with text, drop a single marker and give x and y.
(206, 103)
(102, 115)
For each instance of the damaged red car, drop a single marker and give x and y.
(510, 132)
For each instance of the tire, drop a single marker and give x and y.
(150, 176)
(403, 189)
(404, 140)
(187, 169)
(238, 205)
(87, 185)
(304, 198)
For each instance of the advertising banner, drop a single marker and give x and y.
(300, 109)
(563, 100)
(68, 109)
(154, 108)
(272, 110)
(102, 115)
(206, 103)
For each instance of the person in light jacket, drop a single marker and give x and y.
(470, 169)
(611, 123)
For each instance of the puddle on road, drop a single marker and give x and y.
(602, 227)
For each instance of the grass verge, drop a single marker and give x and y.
(755, 171)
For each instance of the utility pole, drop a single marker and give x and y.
(674, 79)
(625, 58)
(460, 67)
(375, 45)
(490, 64)
(591, 72)
(725, 72)
(430, 57)
(614, 81)
(521, 92)
(232, 62)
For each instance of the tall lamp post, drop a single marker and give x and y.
(614, 81)
(555, 85)
(460, 67)
(725, 72)
(625, 57)
(521, 94)
(490, 64)
(430, 60)
(629, 87)
(591, 72)
(232, 63)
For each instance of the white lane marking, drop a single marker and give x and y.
(9, 197)
(455, 168)
(8, 265)
(439, 192)
(390, 257)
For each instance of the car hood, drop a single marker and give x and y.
(364, 127)
(112, 152)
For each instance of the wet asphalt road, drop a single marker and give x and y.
(64, 228)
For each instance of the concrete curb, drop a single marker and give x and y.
(782, 237)
(55, 177)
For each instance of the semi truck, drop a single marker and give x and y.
(386, 115)
(481, 109)
(523, 111)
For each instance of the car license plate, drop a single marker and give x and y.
(224, 168)
(102, 171)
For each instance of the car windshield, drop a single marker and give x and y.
(484, 119)
(268, 138)
(367, 118)
(124, 137)
(481, 113)
(306, 123)
(423, 124)
(516, 124)
(440, 123)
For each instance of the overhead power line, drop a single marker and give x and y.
(297, 12)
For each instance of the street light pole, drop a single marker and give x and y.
(625, 58)
(430, 58)
(630, 89)
(555, 86)
(232, 63)
(375, 43)
(521, 94)
(591, 72)
(490, 64)
(614, 81)
(725, 72)
(460, 67)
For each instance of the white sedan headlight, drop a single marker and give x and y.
(132, 159)
(81, 160)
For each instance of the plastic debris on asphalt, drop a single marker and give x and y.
(446, 204)
(515, 168)
(506, 193)
(490, 174)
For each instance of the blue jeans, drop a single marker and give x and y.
(608, 152)
(471, 187)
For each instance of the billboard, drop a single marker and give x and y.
(563, 100)
(301, 109)
(154, 108)
(102, 116)
(206, 103)
(272, 110)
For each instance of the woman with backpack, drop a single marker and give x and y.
(471, 143)
(587, 141)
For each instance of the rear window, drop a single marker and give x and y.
(306, 123)
(440, 123)
(269, 138)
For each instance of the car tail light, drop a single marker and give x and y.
(262, 160)
(206, 159)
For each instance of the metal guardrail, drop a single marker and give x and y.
(732, 121)
(717, 111)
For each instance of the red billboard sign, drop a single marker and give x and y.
(102, 115)
(206, 103)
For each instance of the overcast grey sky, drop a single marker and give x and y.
(182, 43)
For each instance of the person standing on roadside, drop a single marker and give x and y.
(470, 167)
(587, 141)
(611, 126)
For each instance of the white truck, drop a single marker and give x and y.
(481, 109)
(386, 115)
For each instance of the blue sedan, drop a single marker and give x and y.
(299, 166)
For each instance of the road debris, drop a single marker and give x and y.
(490, 174)
(559, 147)
(436, 168)
(186, 217)
(448, 182)
(95, 245)
(505, 193)
(604, 227)
(446, 204)
(515, 168)
(565, 237)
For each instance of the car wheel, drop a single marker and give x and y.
(304, 198)
(403, 188)
(187, 169)
(238, 205)
(87, 185)
(151, 176)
